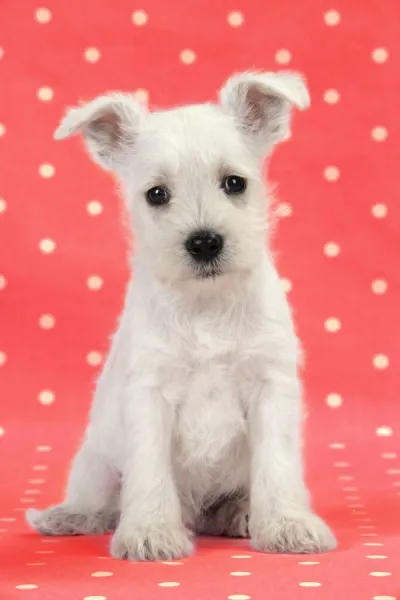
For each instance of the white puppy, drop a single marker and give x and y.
(196, 420)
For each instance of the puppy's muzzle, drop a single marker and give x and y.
(204, 246)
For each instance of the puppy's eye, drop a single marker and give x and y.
(233, 185)
(159, 195)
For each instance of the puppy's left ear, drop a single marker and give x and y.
(261, 104)
(109, 126)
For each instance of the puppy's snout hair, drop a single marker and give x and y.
(196, 419)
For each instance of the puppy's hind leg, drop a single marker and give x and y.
(90, 504)
(228, 516)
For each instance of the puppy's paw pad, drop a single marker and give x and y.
(155, 543)
(66, 520)
(304, 534)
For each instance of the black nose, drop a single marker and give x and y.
(204, 246)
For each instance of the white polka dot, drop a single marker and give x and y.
(369, 535)
(47, 321)
(380, 574)
(169, 584)
(3, 358)
(347, 478)
(1, 52)
(27, 500)
(393, 471)
(286, 284)
(331, 96)
(32, 493)
(42, 15)
(92, 55)
(45, 94)
(2, 129)
(47, 246)
(351, 488)
(331, 249)
(310, 584)
(102, 574)
(94, 358)
(396, 483)
(43, 448)
(364, 519)
(331, 173)
(379, 211)
(337, 446)
(40, 468)
(94, 282)
(240, 573)
(7, 519)
(384, 598)
(376, 556)
(187, 57)
(142, 95)
(379, 286)
(334, 400)
(94, 208)
(3, 205)
(372, 544)
(332, 17)
(170, 563)
(239, 597)
(380, 55)
(3, 282)
(309, 562)
(341, 464)
(46, 170)
(241, 556)
(380, 361)
(235, 19)
(389, 455)
(27, 586)
(139, 18)
(332, 324)
(283, 56)
(46, 397)
(379, 134)
(95, 598)
(2, 432)
(284, 209)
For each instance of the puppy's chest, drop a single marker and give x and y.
(210, 415)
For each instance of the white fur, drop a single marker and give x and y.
(199, 398)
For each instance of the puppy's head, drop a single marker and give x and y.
(192, 176)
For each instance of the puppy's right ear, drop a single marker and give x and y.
(109, 126)
(261, 104)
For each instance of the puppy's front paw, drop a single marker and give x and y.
(161, 542)
(304, 533)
